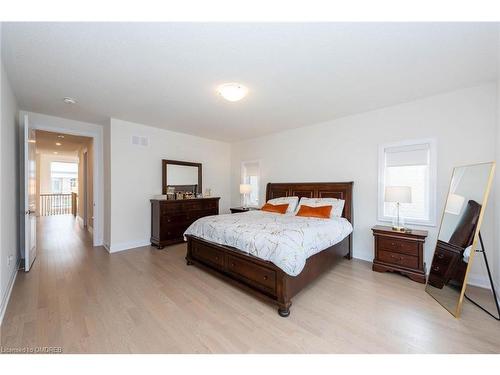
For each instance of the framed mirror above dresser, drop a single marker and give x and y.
(182, 203)
(181, 176)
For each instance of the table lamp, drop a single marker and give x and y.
(398, 195)
(245, 189)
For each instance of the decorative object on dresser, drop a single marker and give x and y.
(402, 252)
(263, 278)
(170, 218)
(235, 210)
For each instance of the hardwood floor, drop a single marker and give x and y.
(148, 301)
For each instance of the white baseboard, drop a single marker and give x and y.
(480, 281)
(79, 220)
(363, 256)
(127, 245)
(6, 297)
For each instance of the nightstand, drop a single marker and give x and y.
(235, 210)
(401, 252)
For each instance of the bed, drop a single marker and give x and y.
(264, 278)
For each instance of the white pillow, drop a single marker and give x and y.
(337, 204)
(292, 202)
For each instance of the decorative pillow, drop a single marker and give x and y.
(291, 201)
(278, 208)
(322, 212)
(337, 204)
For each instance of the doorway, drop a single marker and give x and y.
(66, 184)
(64, 179)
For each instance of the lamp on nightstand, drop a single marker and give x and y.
(398, 195)
(245, 189)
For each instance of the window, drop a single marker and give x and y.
(64, 177)
(413, 164)
(250, 174)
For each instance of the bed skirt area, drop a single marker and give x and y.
(260, 277)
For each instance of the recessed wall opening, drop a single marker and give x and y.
(64, 185)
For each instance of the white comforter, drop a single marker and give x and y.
(285, 240)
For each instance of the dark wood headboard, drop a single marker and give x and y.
(340, 190)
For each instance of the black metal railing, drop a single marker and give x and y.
(58, 204)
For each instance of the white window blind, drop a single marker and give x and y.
(412, 164)
(404, 156)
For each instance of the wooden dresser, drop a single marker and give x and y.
(401, 252)
(170, 218)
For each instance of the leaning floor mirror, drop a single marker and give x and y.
(460, 243)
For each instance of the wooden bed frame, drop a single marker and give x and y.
(263, 278)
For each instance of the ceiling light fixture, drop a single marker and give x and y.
(232, 91)
(69, 100)
(60, 136)
(58, 143)
(55, 152)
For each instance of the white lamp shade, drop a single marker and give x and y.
(245, 188)
(399, 194)
(454, 204)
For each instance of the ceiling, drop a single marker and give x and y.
(298, 74)
(70, 144)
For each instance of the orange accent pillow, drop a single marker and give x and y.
(278, 208)
(322, 212)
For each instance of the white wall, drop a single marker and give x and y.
(9, 187)
(87, 177)
(107, 184)
(463, 122)
(136, 176)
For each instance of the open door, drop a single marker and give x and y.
(85, 190)
(29, 195)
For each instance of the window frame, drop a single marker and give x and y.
(259, 184)
(432, 142)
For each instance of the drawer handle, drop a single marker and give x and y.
(440, 256)
(232, 264)
(436, 268)
(265, 277)
(395, 257)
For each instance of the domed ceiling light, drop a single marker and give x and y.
(232, 91)
(69, 100)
